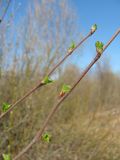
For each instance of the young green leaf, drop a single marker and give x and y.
(47, 80)
(5, 107)
(94, 28)
(65, 89)
(72, 46)
(46, 137)
(6, 157)
(99, 47)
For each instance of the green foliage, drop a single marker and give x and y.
(99, 47)
(65, 89)
(47, 80)
(46, 137)
(94, 28)
(6, 157)
(5, 107)
(72, 46)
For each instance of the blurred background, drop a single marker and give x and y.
(34, 36)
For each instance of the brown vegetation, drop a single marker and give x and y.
(87, 126)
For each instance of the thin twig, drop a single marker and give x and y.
(112, 38)
(6, 9)
(54, 109)
(40, 84)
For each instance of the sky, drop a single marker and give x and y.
(106, 14)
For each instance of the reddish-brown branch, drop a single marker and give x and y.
(69, 53)
(54, 109)
(112, 38)
(39, 85)
(20, 100)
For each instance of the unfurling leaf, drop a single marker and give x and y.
(46, 137)
(94, 28)
(5, 107)
(6, 157)
(65, 89)
(99, 47)
(47, 80)
(72, 46)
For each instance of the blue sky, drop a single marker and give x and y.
(106, 14)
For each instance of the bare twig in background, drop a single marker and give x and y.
(40, 84)
(54, 109)
(6, 9)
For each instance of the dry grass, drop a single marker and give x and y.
(87, 125)
(83, 129)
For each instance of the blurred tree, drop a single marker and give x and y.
(32, 41)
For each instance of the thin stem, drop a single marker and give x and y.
(6, 9)
(52, 112)
(39, 85)
(54, 109)
(112, 38)
(20, 100)
(69, 53)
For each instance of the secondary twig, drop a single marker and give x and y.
(54, 109)
(40, 84)
(6, 9)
